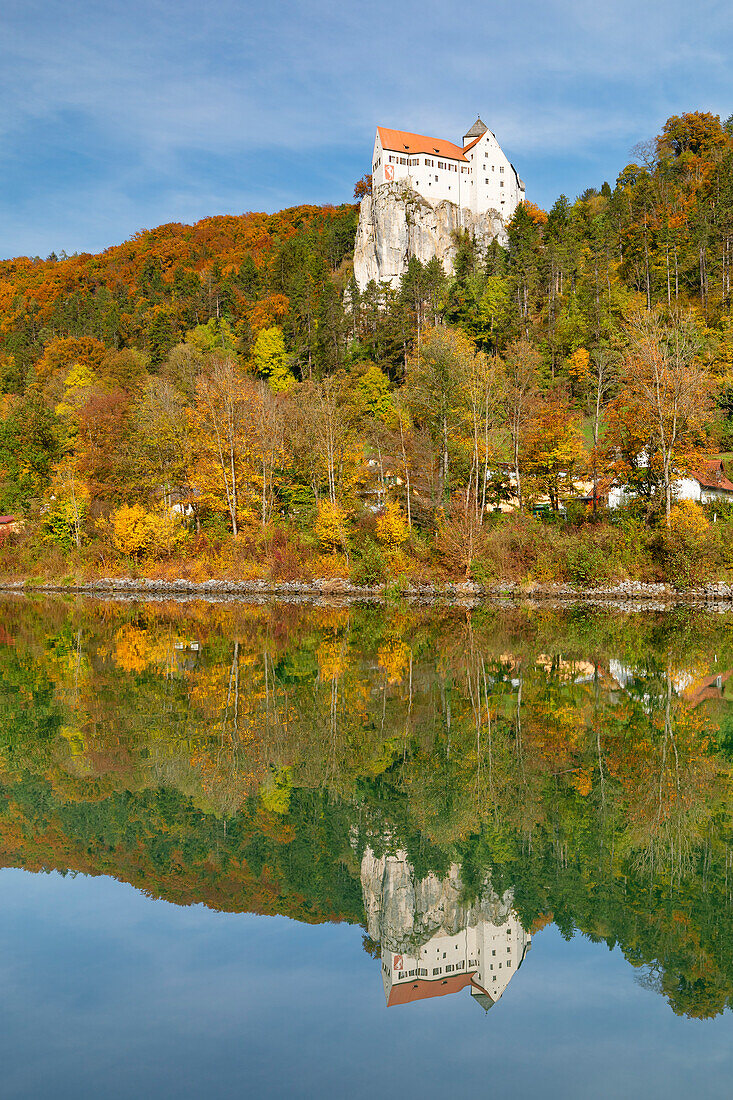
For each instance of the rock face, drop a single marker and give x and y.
(403, 912)
(395, 224)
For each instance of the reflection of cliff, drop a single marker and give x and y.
(433, 944)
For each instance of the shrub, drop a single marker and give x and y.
(686, 544)
(587, 563)
(64, 520)
(137, 533)
(370, 567)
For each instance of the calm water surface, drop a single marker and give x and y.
(322, 851)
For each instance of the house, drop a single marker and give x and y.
(8, 525)
(476, 175)
(705, 485)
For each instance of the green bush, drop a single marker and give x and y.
(370, 566)
(587, 562)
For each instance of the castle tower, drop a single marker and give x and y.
(477, 130)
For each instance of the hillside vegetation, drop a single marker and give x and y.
(220, 399)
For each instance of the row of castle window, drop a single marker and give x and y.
(422, 973)
(449, 969)
(410, 162)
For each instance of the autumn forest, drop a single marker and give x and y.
(220, 400)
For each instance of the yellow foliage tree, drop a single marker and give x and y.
(392, 528)
(329, 527)
(687, 522)
(137, 532)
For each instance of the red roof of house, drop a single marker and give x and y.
(711, 475)
(400, 141)
(7, 519)
(420, 989)
(707, 687)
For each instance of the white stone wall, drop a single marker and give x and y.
(493, 181)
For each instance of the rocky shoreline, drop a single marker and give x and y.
(636, 594)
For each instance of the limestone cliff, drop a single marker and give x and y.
(396, 223)
(403, 912)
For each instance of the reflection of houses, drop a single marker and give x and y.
(187, 655)
(717, 686)
(434, 944)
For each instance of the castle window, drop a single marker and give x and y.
(501, 183)
(436, 970)
(502, 168)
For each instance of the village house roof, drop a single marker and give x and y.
(7, 519)
(710, 687)
(712, 476)
(400, 141)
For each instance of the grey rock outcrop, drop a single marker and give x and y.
(396, 223)
(403, 912)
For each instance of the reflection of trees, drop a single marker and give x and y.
(499, 742)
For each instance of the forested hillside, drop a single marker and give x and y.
(222, 392)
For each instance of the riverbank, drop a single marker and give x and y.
(632, 592)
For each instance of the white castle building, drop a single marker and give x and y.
(476, 175)
(426, 193)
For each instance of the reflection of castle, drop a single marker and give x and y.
(432, 944)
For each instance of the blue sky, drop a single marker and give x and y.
(117, 116)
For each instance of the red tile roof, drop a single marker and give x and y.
(418, 989)
(7, 519)
(711, 475)
(472, 143)
(400, 141)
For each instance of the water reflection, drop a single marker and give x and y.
(451, 781)
(430, 942)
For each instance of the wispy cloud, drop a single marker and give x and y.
(114, 115)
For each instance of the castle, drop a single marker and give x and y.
(432, 943)
(476, 176)
(426, 192)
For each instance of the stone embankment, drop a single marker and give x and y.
(636, 595)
